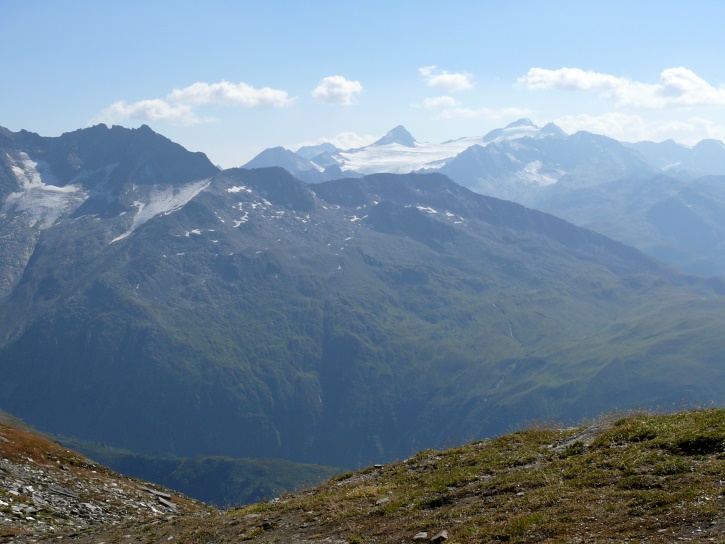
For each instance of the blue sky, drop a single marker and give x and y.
(232, 78)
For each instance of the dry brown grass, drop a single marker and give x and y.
(651, 478)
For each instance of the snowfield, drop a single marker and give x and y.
(397, 158)
(400, 159)
(40, 198)
(163, 200)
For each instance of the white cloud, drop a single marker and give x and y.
(614, 124)
(448, 81)
(337, 90)
(569, 79)
(486, 113)
(440, 102)
(230, 94)
(178, 106)
(677, 87)
(633, 128)
(149, 110)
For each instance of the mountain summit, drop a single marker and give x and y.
(284, 158)
(398, 152)
(245, 313)
(518, 129)
(399, 135)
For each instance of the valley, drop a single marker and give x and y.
(362, 272)
(185, 311)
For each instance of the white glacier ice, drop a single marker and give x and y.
(163, 201)
(402, 159)
(40, 198)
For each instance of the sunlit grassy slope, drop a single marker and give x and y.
(647, 477)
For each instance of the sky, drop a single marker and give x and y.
(231, 78)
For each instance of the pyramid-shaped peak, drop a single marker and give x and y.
(709, 145)
(399, 135)
(280, 156)
(551, 130)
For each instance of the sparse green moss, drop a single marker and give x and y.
(616, 481)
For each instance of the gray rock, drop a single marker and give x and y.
(440, 537)
(58, 490)
(168, 504)
(157, 493)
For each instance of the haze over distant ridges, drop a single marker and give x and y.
(580, 176)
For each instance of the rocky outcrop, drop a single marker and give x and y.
(45, 488)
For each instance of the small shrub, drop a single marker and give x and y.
(699, 445)
(438, 502)
(671, 466)
(577, 448)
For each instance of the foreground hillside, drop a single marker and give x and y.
(649, 478)
(219, 481)
(47, 489)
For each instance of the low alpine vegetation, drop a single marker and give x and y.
(653, 477)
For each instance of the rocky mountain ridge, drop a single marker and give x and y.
(341, 323)
(588, 179)
(516, 162)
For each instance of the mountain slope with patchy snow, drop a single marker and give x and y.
(248, 314)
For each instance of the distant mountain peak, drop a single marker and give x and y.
(710, 144)
(551, 130)
(309, 152)
(280, 156)
(518, 129)
(523, 122)
(271, 152)
(399, 135)
(278, 150)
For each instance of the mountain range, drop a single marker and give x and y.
(514, 162)
(154, 303)
(591, 180)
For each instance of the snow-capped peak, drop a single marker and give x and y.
(523, 122)
(518, 129)
(399, 152)
(551, 130)
(399, 135)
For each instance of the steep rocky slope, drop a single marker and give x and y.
(46, 489)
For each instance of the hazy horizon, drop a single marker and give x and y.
(232, 79)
